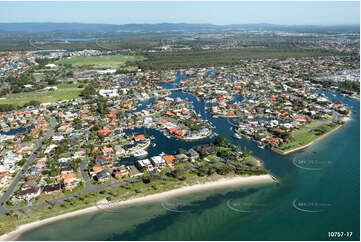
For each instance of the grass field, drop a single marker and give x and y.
(101, 61)
(306, 138)
(63, 93)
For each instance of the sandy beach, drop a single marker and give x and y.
(223, 182)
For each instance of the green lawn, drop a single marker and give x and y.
(63, 93)
(101, 61)
(304, 139)
(309, 125)
(138, 189)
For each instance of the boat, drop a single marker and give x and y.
(274, 178)
(154, 144)
(237, 136)
(140, 153)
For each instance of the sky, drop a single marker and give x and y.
(220, 13)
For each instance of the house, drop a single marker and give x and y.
(29, 193)
(57, 138)
(158, 161)
(120, 172)
(102, 160)
(97, 168)
(102, 176)
(48, 189)
(107, 149)
(35, 171)
(66, 169)
(109, 93)
(70, 180)
(169, 159)
(193, 154)
(103, 132)
(181, 157)
(31, 181)
(144, 165)
(139, 137)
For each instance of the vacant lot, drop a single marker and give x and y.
(101, 61)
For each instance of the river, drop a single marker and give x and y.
(306, 205)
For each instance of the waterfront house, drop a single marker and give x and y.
(193, 154)
(120, 172)
(29, 193)
(144, 164)
(158, 161)
(48, 189)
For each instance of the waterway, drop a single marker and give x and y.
(306, 205)
(17, 131)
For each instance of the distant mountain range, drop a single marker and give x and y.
(163, 27)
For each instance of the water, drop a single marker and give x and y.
(189, 38)
(77, 39)
(17, 131)
(215, 215)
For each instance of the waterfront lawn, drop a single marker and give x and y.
(63, 93)
(110, 61)
(184, 175)
(130, 191)
(309, 125)
(306, 138)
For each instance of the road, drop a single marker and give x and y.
(75, 195)
(88, 186)
(25, 167)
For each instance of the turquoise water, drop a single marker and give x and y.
(253, 212)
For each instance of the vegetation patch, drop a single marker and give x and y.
(306, 138)
(63, 93)
(100, 61)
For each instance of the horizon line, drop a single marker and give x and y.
(194, 23)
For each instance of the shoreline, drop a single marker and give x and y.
(223, 182)
(306, 145)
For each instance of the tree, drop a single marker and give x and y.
(146, 179)
(51, 82)
(88, 91)
(181, 151)
(220, 140)
(246, 152)
(34, 103)
(6, 107)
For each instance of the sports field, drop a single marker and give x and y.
(113, 61)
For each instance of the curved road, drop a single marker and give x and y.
(20, 174)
